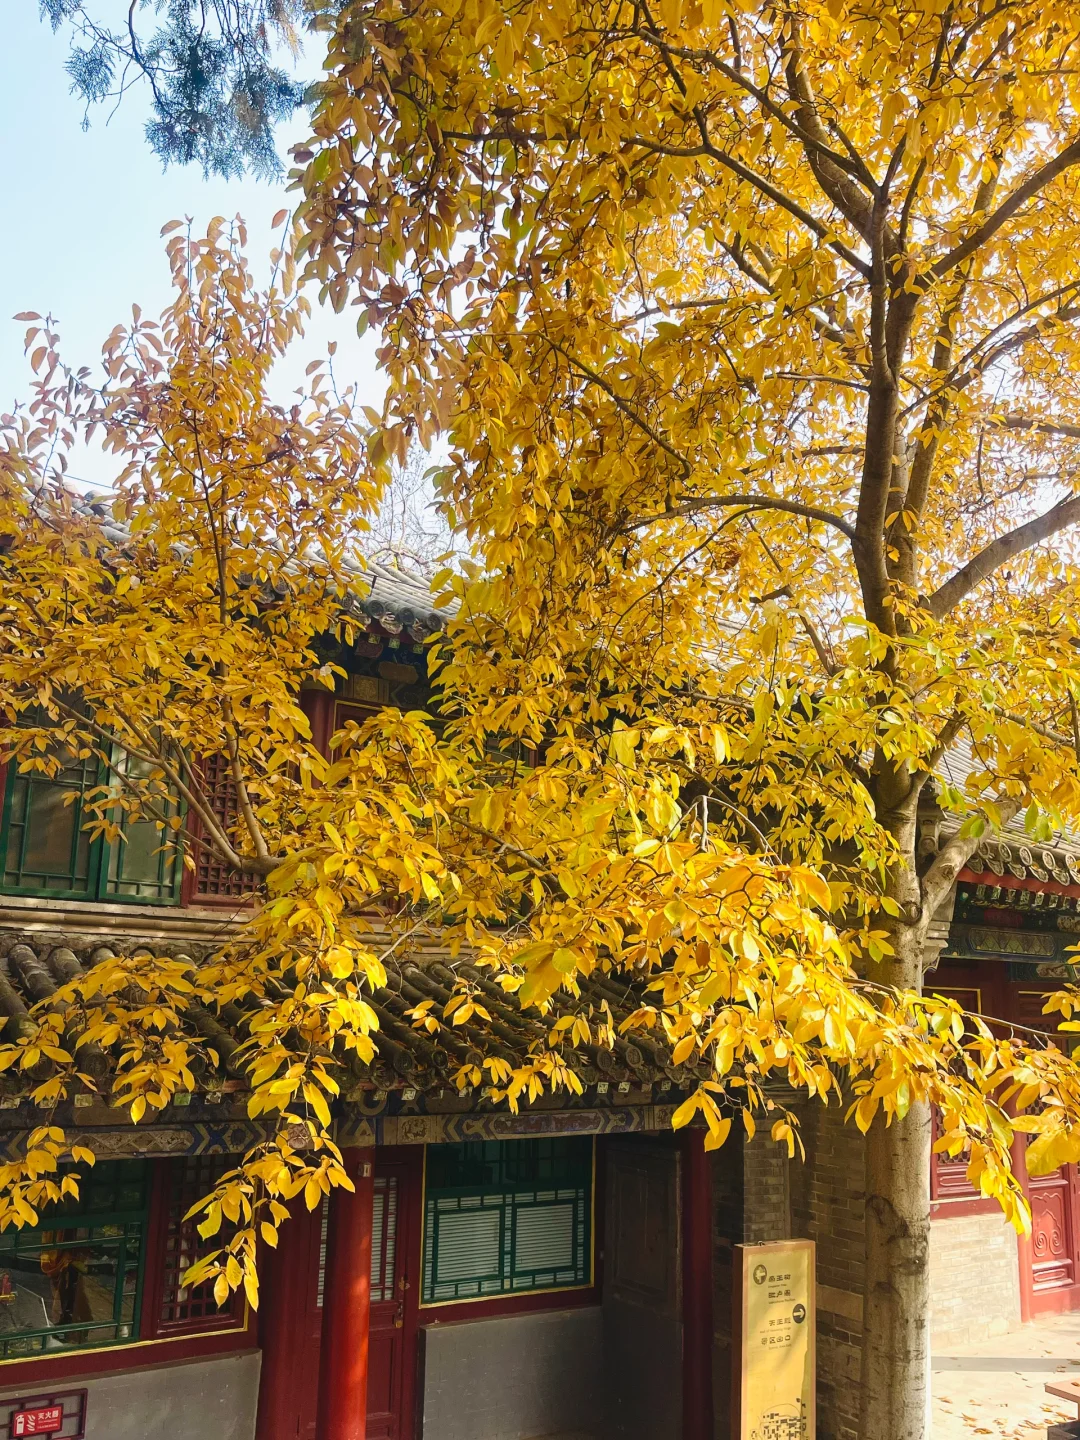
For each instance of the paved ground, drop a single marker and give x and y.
(996, 1388)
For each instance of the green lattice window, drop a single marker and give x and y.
(75, 1281)
(47, 850)
(507, 1217)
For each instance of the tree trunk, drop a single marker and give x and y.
(896, 1299)
(895, 1378)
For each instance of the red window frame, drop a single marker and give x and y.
(157, 1344)
(179, 1182)
(212, 882)
(951, 1192)
(949, 1185)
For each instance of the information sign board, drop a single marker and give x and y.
(776, 1390)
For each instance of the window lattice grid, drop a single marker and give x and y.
(948, 1173)
(109, 1187)
(47, 848)
(76, 1289)
(212, 877)
(384, 1213)
(324, 1230)
(182, 1308)
(383, 1237)
(144, 862)
(473, 1166)
(73, 1282)
(506, 1218)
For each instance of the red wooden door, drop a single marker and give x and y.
(395, 1267)
(1050, 1258)
(290, 1327)
(1055, 1233)
(309, 1324)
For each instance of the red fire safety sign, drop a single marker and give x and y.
(38, 1422)
(58, 1415)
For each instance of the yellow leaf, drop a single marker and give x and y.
(684, 1049)
(685, 1112)
(717, 1134)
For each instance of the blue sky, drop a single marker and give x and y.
(83, 211)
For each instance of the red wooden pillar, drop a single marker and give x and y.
(343, 1367)
(289, 1330)
(697, 1287)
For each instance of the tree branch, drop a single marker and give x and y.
(750, 502)
(243, 798)
(1007, 209)
(763, 186)
(993, 556)
(920, 471)
(1044, 730)
(972, 363)
(623, 405)
(850, 162)
(193, 799)
(832, 176)
(946, 736)
(1043, 427)
(808, 625)
(951, 859)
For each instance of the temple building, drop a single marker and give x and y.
(565, 1272)
(485, 1272)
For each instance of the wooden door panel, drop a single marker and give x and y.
(1053, 1246)
(384, 1383)
(395, 1254)
(309, 1324)
(291, 1329)
(642, 1293)
(643, 1216)
(387, 1313)
(1052, 1255)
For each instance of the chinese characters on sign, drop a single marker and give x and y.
(38, 1422)
(56, 1415)
(777, 1335)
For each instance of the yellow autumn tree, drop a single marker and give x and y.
(178, 615)
(753, 332)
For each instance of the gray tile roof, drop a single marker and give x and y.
(33, 965)
(1013, 851)
(385, 600)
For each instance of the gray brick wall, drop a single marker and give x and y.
(759, 1195)
(751, 1205)
(974, 1279)
(828, 1191)
(766, 1192)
